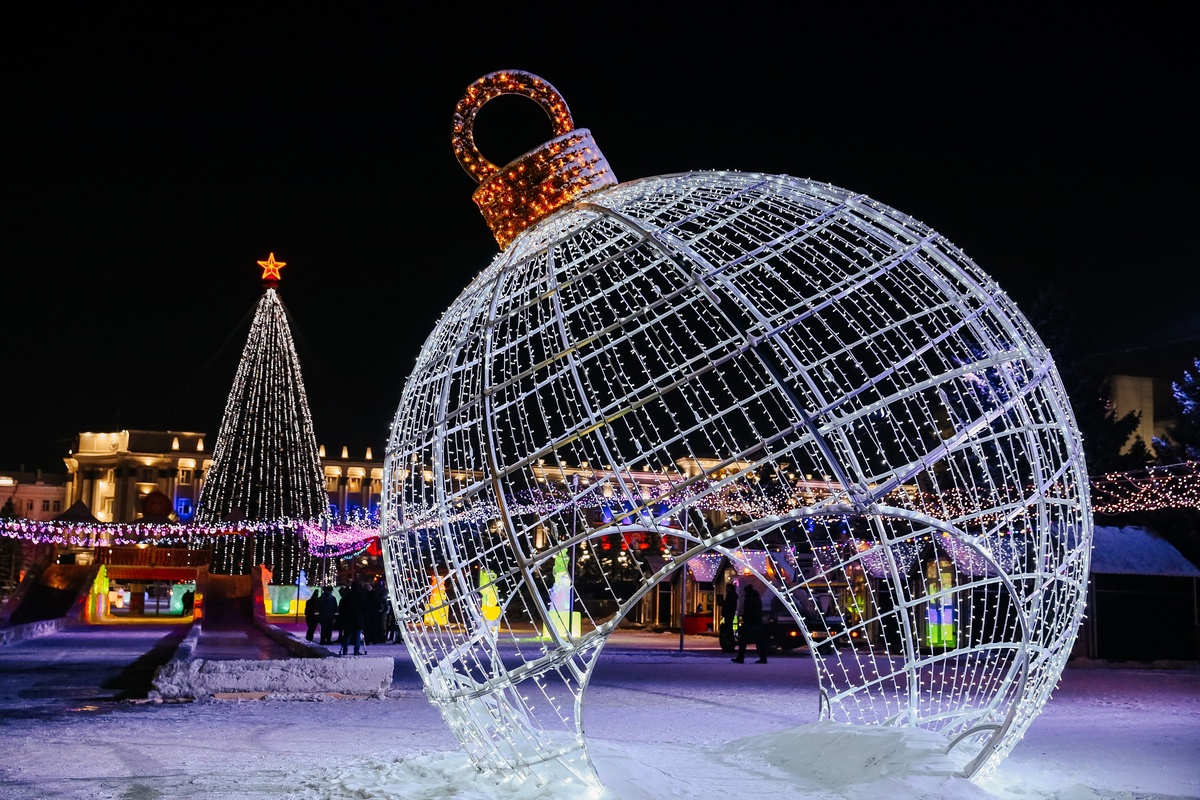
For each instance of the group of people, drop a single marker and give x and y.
(751, 628)
(359, 612)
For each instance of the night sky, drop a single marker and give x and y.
(151, 156)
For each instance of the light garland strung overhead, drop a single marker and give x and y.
(1148, 489)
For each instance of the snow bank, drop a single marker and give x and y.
(1137, 551)
(198, 678)
(313, 671)
(30, 630)
(433, 776)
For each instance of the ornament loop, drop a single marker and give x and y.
(489, 87)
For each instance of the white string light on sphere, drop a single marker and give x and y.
(796, 377)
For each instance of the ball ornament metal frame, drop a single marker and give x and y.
(735, 368)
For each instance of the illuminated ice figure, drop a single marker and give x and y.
(730, 363)
(560, 590)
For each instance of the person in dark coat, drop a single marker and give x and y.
(393, 626)
(751, 628)
(326, 614)
(311, 613)
(339, 624)
(353, 612)
(373, 632)
(378, 624)
(729, 607)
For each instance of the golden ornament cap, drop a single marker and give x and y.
(532, 187)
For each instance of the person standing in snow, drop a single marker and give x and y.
(372, 630)
(326, 614)
(729, 608)
(311, 616)
(752, 626)
(353, 612)
(379, 621)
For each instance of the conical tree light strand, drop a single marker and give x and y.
(265, 461)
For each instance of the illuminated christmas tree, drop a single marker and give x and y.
(265, 471)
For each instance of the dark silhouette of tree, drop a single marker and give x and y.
(1179, 526)
(1105, 434)
(1182, 439)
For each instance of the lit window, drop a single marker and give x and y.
(332, 476)
(185, 477)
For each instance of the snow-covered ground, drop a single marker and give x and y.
(661, 724)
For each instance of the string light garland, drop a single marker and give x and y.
(1148, 489)
(266, 469)
(265, 462)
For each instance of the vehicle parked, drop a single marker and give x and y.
(827, 630)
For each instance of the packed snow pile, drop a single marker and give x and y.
(433, 776)
(1138, 551)
(198, 678)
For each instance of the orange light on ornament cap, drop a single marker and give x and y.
(535, 185)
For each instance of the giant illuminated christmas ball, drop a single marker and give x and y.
(728, 373)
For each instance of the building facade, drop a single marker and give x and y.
(116, 473)
(33, 495)
(1136, 393)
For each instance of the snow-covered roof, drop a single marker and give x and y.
(1137, 551)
